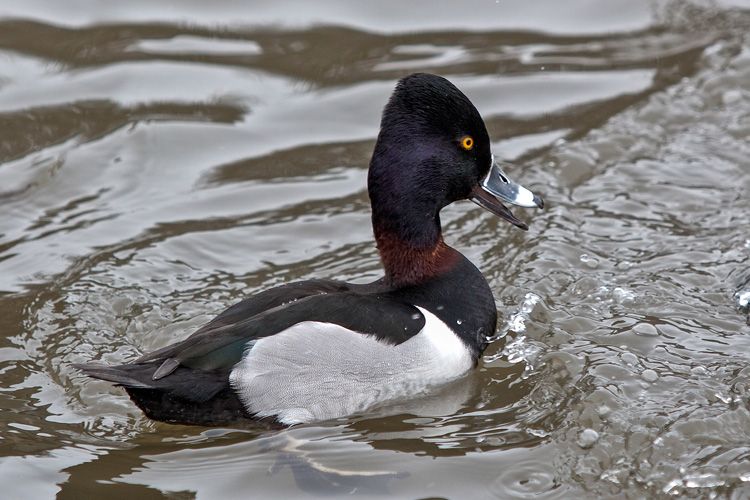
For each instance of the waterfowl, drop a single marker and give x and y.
(321, 349)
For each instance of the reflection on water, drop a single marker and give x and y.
(155, 169)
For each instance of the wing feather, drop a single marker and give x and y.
(221, 344)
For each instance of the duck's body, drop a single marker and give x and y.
(321, 349)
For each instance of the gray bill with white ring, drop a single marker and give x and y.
(498, 185)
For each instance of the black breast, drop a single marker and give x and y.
(461, 298)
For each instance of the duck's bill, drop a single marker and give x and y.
(498, 185)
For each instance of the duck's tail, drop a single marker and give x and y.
(186, 396)
(128, 376)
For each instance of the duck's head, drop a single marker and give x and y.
(433, 149)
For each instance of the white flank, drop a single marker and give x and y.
(317, 371)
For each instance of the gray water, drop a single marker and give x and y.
(161, 161)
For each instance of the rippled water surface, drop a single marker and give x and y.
(160, 161)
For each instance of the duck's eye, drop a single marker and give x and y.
(467, 143)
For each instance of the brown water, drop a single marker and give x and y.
(161, 160)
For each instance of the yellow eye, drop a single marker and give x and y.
(467, 143)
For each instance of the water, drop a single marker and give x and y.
(160, 162)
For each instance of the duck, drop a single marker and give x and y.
(323, 349)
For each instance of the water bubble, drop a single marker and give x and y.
(646, 330)
(590, 262)
(587, 438)
(731, 96)
(458, 321)
(620, 294)
(537, 432)
(699, 370)
(629, 358)
(650, 376)
(495, 440)
(603, 410)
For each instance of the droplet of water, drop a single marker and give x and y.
(707, 480)
(743, 298)
(723, 398)
(587, 438)
(529, 301)
(673, 487)
(458, 321)
(521, 350)
(517, 323)
(612, 475)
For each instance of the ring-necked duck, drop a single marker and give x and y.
(321, 349)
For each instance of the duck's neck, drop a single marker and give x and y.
(409, 238)
(406, 264)
(406, 196)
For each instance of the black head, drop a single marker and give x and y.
(432, 143)
(432, 149)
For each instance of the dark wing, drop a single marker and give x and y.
(252, 306)
(220, 344)
(274, 297)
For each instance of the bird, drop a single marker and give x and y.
(322, 349)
